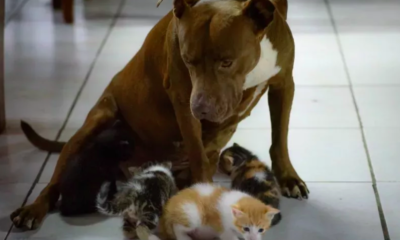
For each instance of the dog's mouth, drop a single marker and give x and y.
(218, 115)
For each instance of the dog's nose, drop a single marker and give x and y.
(200, 107)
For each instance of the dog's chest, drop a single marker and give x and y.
(266, 67)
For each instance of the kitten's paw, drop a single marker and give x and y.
(294, 187)
(153, 237)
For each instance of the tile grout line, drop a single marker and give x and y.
(384, 226)
(75, 101)
(14, 12)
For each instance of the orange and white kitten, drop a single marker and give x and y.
(207, 211)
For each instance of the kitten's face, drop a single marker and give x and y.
(233, 157)
(251, 222)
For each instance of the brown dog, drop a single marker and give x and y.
(200, 71)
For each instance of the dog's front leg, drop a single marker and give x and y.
(280, 98)
(191, 132)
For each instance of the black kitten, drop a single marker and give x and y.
(97, 162)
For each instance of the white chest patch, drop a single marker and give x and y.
(257, 92)
(266, 66)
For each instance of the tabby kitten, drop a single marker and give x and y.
(207, 211)
(252, 176)
(140, 200)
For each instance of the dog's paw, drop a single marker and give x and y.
(294, 187)
(29, 217)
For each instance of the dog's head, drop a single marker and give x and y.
(219, 43)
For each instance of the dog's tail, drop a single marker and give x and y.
(104, 204)
(39, 141)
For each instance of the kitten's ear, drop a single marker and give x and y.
(270, 212)
(167, 164)
(236, 145)
(261, 12)
(134, 170)
(236, 211)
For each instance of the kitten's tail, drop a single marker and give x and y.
(104, 204)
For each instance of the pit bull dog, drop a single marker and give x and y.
(201, 70)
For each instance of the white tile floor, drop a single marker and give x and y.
(347, 76)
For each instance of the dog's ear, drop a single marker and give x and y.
(261, 12)
(180, 6)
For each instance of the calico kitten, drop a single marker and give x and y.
(141, 199)
(97, 162)
(252, 176)
(207, 211)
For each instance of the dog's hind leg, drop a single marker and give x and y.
(100, 116)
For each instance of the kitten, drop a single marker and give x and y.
(207, 211)
(252, 176)
(140, 200)
(98, 161)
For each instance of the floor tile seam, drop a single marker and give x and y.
(385, 230)
(14, 12)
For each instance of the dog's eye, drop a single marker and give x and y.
(226, 63)
(246, 229)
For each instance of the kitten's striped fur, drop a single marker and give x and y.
(141, 199)
(252, 176)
